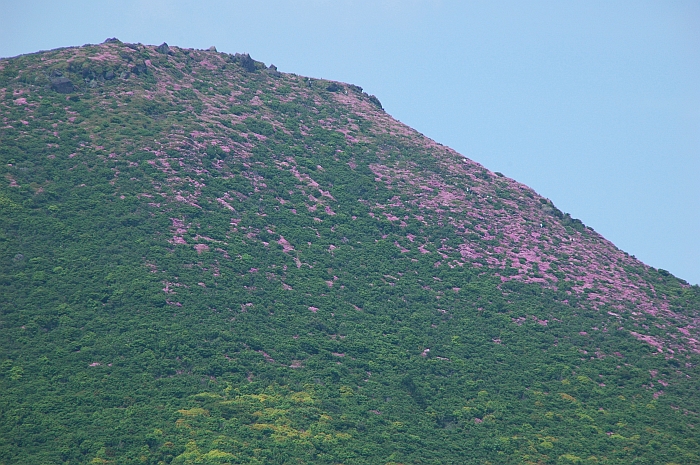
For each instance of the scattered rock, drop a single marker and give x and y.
(139, 68)
(62, 85)
(246, 62)
(272, 70)
(88, 74)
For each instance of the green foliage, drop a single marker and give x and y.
(150, 311)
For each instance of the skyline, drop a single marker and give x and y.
(595, 106)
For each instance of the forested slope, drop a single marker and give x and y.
(204, 260)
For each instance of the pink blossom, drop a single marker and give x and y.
(313, 309)
(201, 248)
(651, 340)
(95, 364)
(403, 249)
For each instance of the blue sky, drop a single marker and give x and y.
(594, 104)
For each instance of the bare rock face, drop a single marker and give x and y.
(245, 61)
(163, 48)
(139, 68)
(62, 85)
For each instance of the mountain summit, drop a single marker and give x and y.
(206, 260)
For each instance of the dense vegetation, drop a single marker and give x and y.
(203, 260)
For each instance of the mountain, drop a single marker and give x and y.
(205, 260)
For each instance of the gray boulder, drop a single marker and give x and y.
(139, 68)
(62, 85)
(246, 62)
(272, 70)
(163, 48)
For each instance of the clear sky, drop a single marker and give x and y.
(594, 104)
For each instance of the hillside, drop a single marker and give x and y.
(205, 260)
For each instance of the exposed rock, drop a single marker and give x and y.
(109, 75)
(62, 85)
(163, 48)
(112, 40)
(212, 49)
(88, 74)
(272, 70)
(245, 61)
(139, 68)
(333, 87)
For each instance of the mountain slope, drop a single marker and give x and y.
(205, 260)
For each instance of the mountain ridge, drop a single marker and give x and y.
(288, 191)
